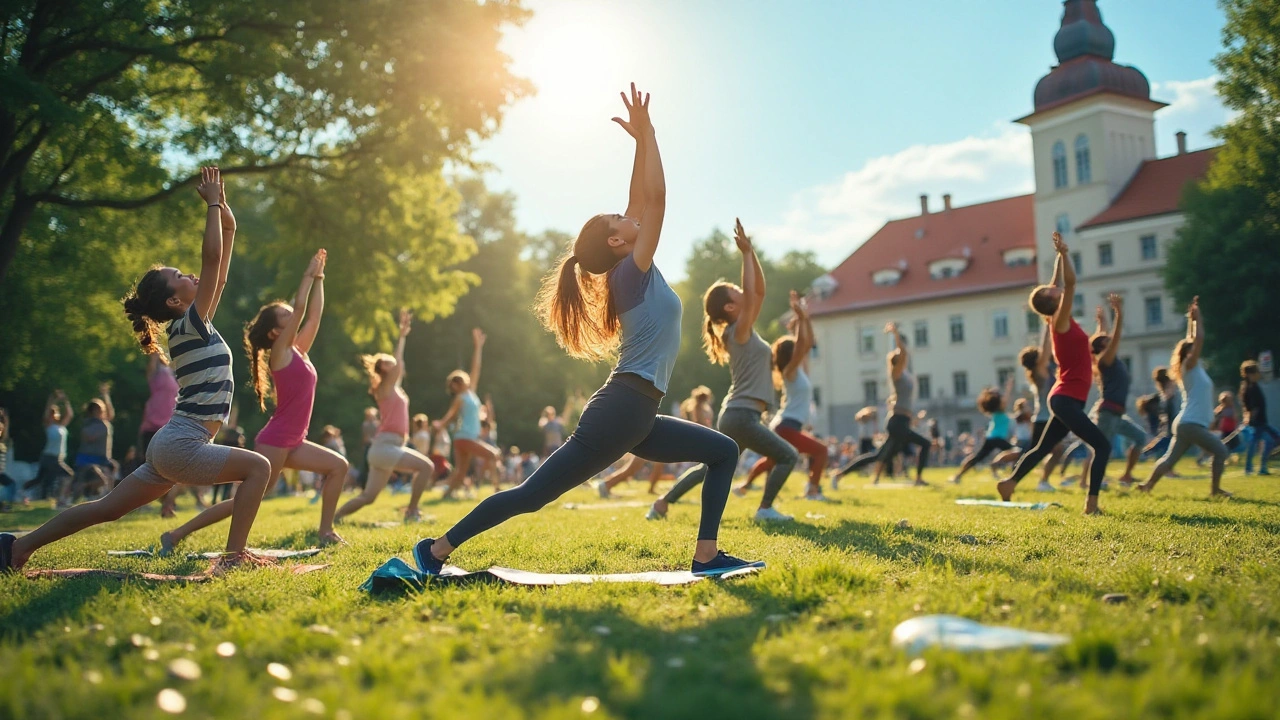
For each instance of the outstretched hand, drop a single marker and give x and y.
(740, 237)
(406, 321)
(637, 122)
(1059, 246)
(315, 269)
(478, 337)
(210, 187)
(1193, 310)
(1116, 303)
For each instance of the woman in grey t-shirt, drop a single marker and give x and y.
(729, 336)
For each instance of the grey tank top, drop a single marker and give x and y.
(750, 372)
(903, 389)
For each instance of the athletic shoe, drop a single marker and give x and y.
(771, 515)
(602, 487)
(740, 491)
(817, 497)
(427, 562)
(653, 513)
(721, 564)
(6, 553)
(1264, 471)
(835, 483)
(1046, 486)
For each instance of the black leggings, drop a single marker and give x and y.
(1068, 417)
(618, 419)
(901, 438)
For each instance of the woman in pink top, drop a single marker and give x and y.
(280, 330)
(387, 453)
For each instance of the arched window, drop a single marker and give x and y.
(1059, 165)
(1084, 171)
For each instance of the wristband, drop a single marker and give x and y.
(216, 205)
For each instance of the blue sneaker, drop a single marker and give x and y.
(721, 564)
(427, 562)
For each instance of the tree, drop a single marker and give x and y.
(114, 104)
(1226, 251)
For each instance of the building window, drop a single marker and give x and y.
(1002, 376)
(924, 387)
(1063, 224)
(1155, 312)
(957, 328)
(1077, 306)
(964, 426)
(868, 345)
(869, 392)
(1149, 251)
(1077, 262)
(960, 382)
(922, 333)
(1000, 324)
(1104, 254)
(1059, 165)
(1084, 173)
(1034, 324)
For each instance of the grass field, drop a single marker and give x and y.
(809, 637)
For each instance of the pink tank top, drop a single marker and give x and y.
(295, 396)
(163, 398)
(394, 409)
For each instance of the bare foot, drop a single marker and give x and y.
(167, 512)
(1095, 511)
(1146, 487)
(1005, 488)
(1091, 506)
(1220, 493)
(230, 561)
(921, 483)
(955, 479)
(412, 515)
(167, 544)
(331, 538)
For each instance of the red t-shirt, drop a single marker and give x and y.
(1075, 364)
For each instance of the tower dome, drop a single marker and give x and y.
(1085, 48)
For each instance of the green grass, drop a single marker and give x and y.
(807, 638)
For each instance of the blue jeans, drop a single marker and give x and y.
(1269, 437)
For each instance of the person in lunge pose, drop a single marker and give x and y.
(468, 443)
(1113, 385)
(387, 452)
(280, 331)
(729, 336)
(608, 295)
(183, 450)
(790, 374)
(992, 403)
(1191, 426)
(1254, 403)
(900, 435)
(1069, 393)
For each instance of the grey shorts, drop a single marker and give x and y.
(1112, 424)
(183, 453)
(386, 450)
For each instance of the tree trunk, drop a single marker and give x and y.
(14, 224)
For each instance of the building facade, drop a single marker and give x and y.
(963, 274)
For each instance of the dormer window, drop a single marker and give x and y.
(947, 268)
(1020, 257)
(887, 276)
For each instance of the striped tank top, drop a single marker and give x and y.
(201, 362)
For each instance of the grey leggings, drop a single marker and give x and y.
(1184, 436)
(618, 419)
(745, 427)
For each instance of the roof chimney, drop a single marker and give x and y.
(946, 202)
(924, 204)
(1182, 142)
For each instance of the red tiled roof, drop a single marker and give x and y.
(983, 232)
(1155, 189)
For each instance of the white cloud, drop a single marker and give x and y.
(1194, 108)
(835, 218)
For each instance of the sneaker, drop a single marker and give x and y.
(771, 515)
(835, 483)
(816, 497)
(427, 562)
(602, 487)
(721, 564)
(1264, 471)
(1046, 486)
(653, 513)
(740, 491)
(6, 553)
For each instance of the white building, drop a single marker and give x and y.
(957, 280)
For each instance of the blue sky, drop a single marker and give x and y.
(814, 121)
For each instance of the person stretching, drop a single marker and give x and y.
(1191, 426)
(468, 444)
(790, 374)
(1113, 385)
(992, 404)
(1254, 403)
(183, 450)
(729, 336)
(387, 452)
(280, 331)
(607, 294)
(1075, 375)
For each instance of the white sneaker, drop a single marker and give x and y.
(602, 487)
(817, 497)
(740, 491)
(653, 513)
(771, 515)
(1046, 486)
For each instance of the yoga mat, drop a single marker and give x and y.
(957, 633)
(1001, 504)
(396, 574)
(269, 552)
(606, 505)
(153, 577)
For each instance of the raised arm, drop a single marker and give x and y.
(477, 343)
(636, 196)
(896, 372)
(1101, 318)
(397, 374)
(286, 338)
(803, 340)
(228, 222)
(752, 279)
(1108, 356)
(1062, 318)
(208, 291)
(104, 389)
(654, 181)
(67, 413)
(1008, 389)
(1046, 352)
(313, 302)
(1195, 332)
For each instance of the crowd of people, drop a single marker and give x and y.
(607, 299)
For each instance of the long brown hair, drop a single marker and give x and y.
(1029, 358)
(147, 306)
(1179, 356)
(372, 365)
(715, 320)
(783, 348)
(574, 301)
(257, 340)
